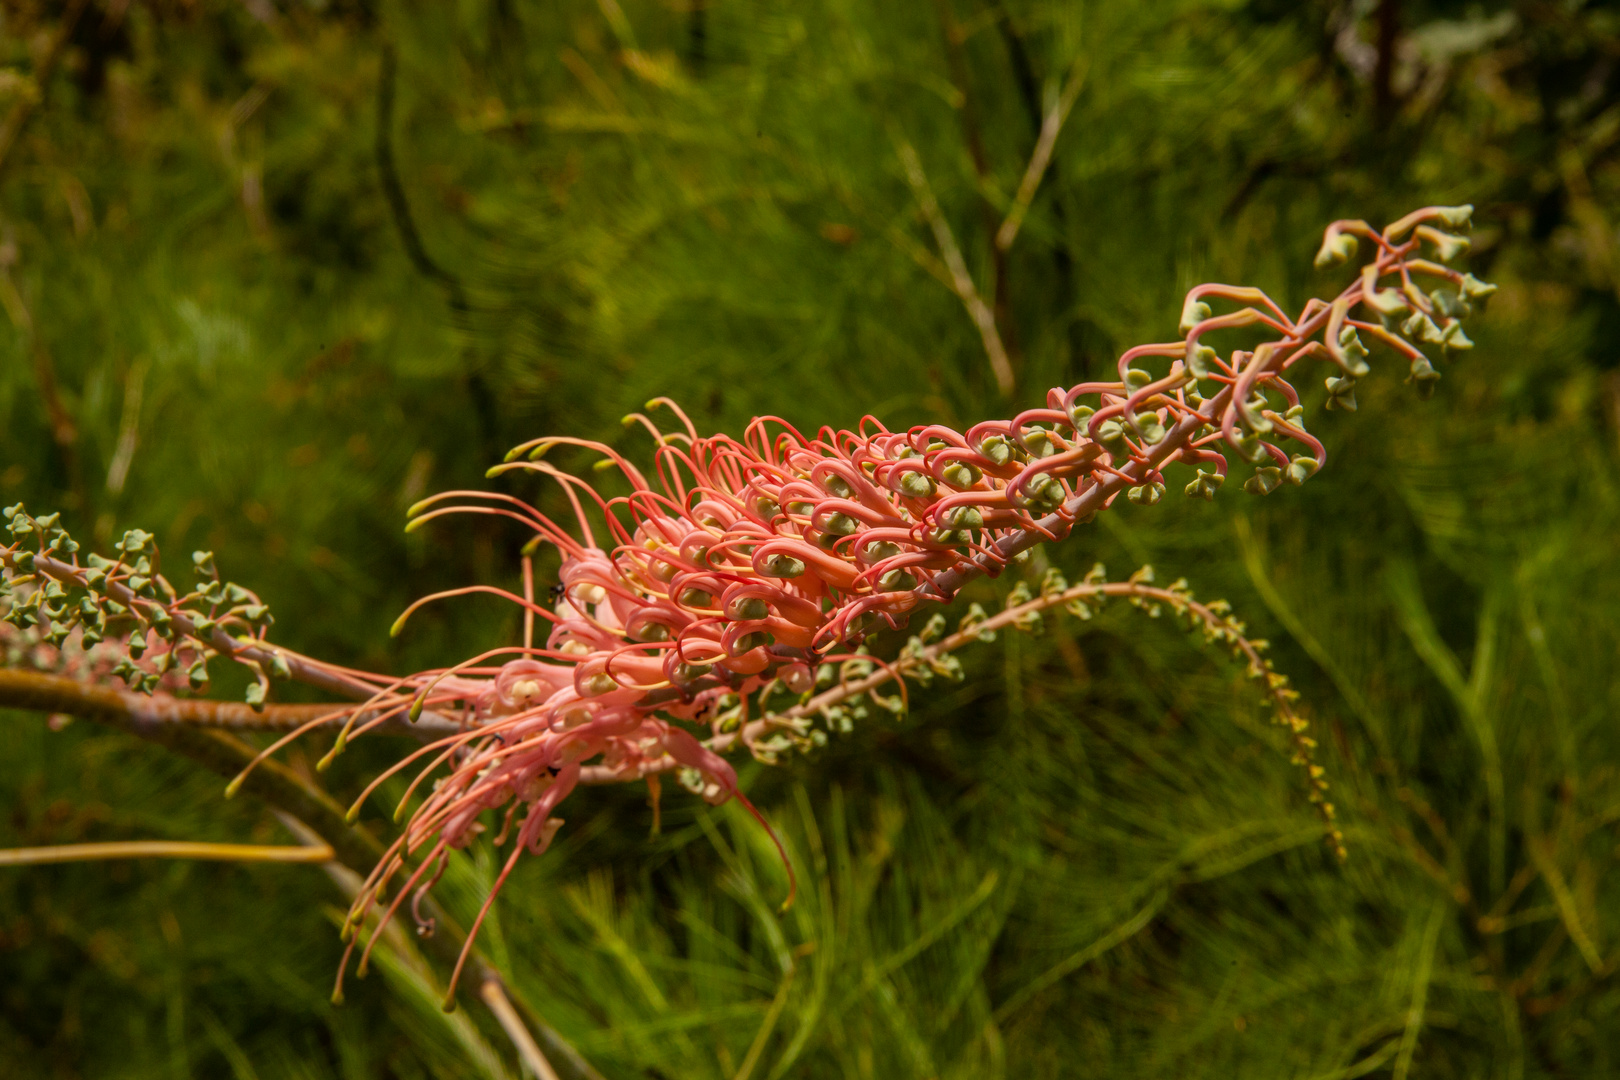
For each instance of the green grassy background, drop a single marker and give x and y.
(275, 270)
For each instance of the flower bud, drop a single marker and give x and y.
(1039, 443)
(1135, 378)
(766, 507)
(1456, 340)
(1264, 481)
(648, 630)
(1341, 393)
(962, 517)
(1148, 427)
(748, 608)
(782, 566)
(1446, 246)
(1424, 377)
(1204, 487)
(1389, 303)
(996, 448)
(1198, 361)
(1193, 312)
(837, 486)
(897, 581)
(959, 474)
(1457, 217)
(918, 485)
(1301, 469)
(598, 684)
(696, 598)
(1146, 494)
(877, 552)
(1421, 328)
(749, 642)
(1079, 414)
(840, 525)
(801, 509)
(691, 672)
(1475, 289)
(1337, 248)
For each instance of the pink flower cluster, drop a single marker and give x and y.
(756, 560)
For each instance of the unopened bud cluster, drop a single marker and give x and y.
(100, 618)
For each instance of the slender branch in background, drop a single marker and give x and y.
(164, 849)
(36, 691)
(1389, 31)
(129, 428)
(494, 997)
(961, 280)
(16, 120)
(972, 133)
(1056, 114)
(394, 191)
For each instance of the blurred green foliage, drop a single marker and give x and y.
(273, 271)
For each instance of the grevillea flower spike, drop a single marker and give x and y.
(751, 565)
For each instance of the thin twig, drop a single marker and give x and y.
(165, 849)
(38, 691)
(1042, 157)
(494, 996)
(961, 280)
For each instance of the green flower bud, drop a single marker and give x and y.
(1204, 486)
(1475, 289)
(1264, 481)
(766, 507)
(748, 642)
(963, 517)
(1457, 217)
(1080, 414)
(837, 486)
(1040, 443)
(137, 643)
(696, 598)
(1135, 378)
(1448, 247)
(598, 684)
(801, 509)
(197, 675)
(1148, 427)
(1198, 361)
(1389, 303)
(841, 525)
(748, 608)
(897, 581)
(1301, 469)
(782, 566)
(1045, 492)
(1424, 377)
(1111, 432)
(650, 631)
(997, 449)
(691, 672)
(1456, 340)
(1337, 248)
(1146, 494)
(1341, 393)
(959, 474)
(917, 484)
(1421, 328)
(1193, 312)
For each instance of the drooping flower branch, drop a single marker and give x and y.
(754, 564)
